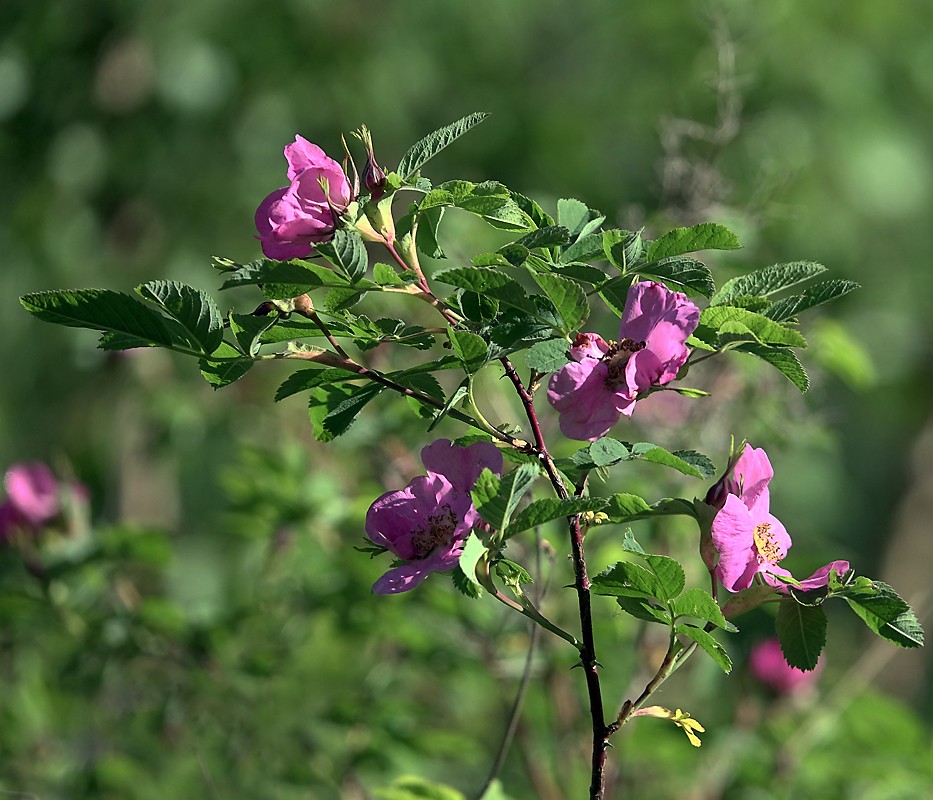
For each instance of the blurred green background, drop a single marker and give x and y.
(225, 643)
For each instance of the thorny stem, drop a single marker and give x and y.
(582, 586)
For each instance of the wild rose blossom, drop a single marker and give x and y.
(294, 218)
(427, 522)
(749, 539)
(603, 381)
(32, 497)
(766, 662)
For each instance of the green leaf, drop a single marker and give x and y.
(699, 604)
(549, 236)
(507, 217)
(568, 298)
(579, 220)
(605, 452)
(626, 579)
(802, 631)
(469, 348)
(669, 573)
(195, 311)
(248, 330)
(715, 650)
(533, 210)
(515, 254)
(459, 393)
(641, 608)
(497, 509)
(817, 295)
(782, 359)
(622, 248)
(887, 615)
(624, 508)
(698, 461)
(683, 273)
(223, 373)
(282, 280)
(615, 293)
(548, 356)
(473, 550)
(581, 272)
(492, 282)
(347, 252)
(385, 275)
(111, 312)
(426, 384)
(479, 307)
(334, 407)
(428, 147)
(464, 585)
(551, 508)
(305, 379)
(588, 248)
(426, 235)
(286, 330)
(658, 455)
(705, 236)
(768, 280)
(728, 321)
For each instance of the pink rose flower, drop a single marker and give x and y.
(427, 522)
(766, 662)
(294, 218)
(33, 491)
(603, 381)
(749, 539)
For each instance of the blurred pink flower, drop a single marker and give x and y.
(33, 490)
(603, 381)
(294, 218)
(427, 522)
(766, 662)
(749, 539)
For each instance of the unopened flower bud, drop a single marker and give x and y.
(303, 305)
(374, 178)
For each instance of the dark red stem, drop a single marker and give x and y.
(582, 585)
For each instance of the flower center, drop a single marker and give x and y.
(440, 528)
(615, 360)
(768, 549)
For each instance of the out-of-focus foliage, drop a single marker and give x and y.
(214, 634)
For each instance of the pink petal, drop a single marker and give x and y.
(750, 475)
(660, 318)
(588, 345)
(733, 534)
(820, 578)
(578, 391)
(302, 154)
(401, 579)
(33, 489)
(461, 466)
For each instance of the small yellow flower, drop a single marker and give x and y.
(680, 718)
